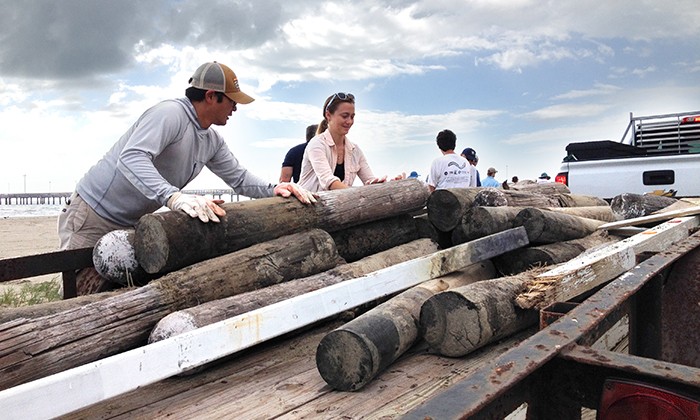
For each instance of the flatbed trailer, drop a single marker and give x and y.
(556, 371)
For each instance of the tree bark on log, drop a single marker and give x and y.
(478, 222)
(170, 240)
(577, 200)
(457, 322)
(602, 213)
(629, 206)
(349, 357)
(50, 308)
(544, 227)
(208, 313)
(495, 197)
(360, 241)
(445, 207)
(30, 349)
(550, 188)
(523, 259)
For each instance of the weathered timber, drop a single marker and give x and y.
(589, 270)
(39, 347)
(602, 213)
(366, 239)
(446, 206)
(459, 321)
(481, 221)
(523, 259)
(496, 197)
(115, 259)
(88, 281)
(545, 227)
(94, 382)
(208, 313)
(170, 240)
(50, 308)
(652, 218)
(629, 205)
(350, 356)
(577, 200)
(425, 228)
(550, 188)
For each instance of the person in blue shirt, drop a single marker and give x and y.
(470, 155)
(291, 166)
(490, 180)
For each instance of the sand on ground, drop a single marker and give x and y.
(21, 236)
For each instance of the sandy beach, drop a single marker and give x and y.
(28, 236)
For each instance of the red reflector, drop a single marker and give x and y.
(625, 400)
(562, 178)
(687, 120)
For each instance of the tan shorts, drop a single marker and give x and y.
(80, 227)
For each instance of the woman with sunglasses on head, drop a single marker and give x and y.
(331, 161)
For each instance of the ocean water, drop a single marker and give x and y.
(29, 210)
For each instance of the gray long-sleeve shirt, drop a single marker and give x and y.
(161, 153)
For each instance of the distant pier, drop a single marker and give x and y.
(61, 197)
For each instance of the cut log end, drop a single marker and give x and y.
(114, 257)
(151, 244)
(345, 361)
(173, 324)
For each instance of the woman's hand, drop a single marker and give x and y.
(377, 180)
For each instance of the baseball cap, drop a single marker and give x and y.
(469, 153)
(491, 171)
(413, 174)
(220, 78)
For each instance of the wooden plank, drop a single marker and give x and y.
(79, 387)
(660, 217)
(587, 271)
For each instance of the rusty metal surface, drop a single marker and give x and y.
(681, 312)
(555, 311)
(52, 262)
(490, 382)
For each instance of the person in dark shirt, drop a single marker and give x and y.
(291, 167)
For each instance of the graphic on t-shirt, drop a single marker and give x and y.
(457, 165)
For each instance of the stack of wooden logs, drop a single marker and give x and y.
(265, 251)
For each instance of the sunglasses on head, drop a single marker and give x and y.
(342, 96)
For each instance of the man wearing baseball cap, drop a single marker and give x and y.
(160, 154)
(470, 155)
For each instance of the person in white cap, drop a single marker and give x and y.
(160, 154)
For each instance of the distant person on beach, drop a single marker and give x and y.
(470, 155)
(514, 180)
(291, 166)
(544, 178)
(450, 170)
(331, 161)
(490, 180)
(162, 152)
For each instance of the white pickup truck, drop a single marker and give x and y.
(659, 152)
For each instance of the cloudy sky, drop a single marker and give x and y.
(515, 79)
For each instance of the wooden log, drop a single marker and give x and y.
(425, 228)
(198, 316)
(496, 197)
(589, 270)
(630, 206)
(523, 259)
(459, 321)
(550, 188)
(128, 371)
(577, 200)
(350, 356)
(35, 348)
(115, 259)
(366, 239)
(446, 206)
(167, 241)
(50, 308)
(480, 221)
(603, 213)
(544, 227)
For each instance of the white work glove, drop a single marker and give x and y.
(286, 189)
(197, 206)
